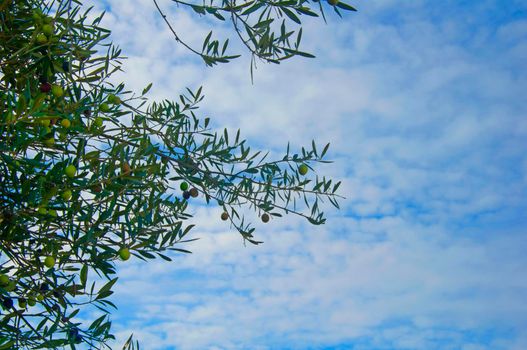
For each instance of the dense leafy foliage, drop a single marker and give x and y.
(91, 173)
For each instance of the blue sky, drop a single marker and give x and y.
(424, 105)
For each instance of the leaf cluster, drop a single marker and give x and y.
(88, 168)
(270, 30)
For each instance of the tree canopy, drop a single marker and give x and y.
(91, 172)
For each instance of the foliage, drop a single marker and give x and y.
(264, 27)
(91, 172)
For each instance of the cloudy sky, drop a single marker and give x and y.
(422, 102)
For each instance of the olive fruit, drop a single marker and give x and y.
(194, 192)
(7, 303)
(22, 303)
(47, 29)
(65, 123)
(70, 171)
(113, 99)
(97, 188)
(42, 39)
(124, 253)
(49, 142)
(73, 333)
(4, 280)
(125, 168)
(11, 286)
(104, 107)
(42, 211)
(66, 195)
(66, 66)
(36, 16)
(57, 91)
(49, 262)
(265, 218)
(98, 122)
(302, 169)
(45, 87)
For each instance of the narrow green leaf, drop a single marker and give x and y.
(345, 6)
(84, 275)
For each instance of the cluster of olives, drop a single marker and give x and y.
(44, 28)
(187, 193)
(193, 192)
(9, 285)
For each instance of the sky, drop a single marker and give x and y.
(423, 103)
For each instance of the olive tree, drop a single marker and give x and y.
(91, 172)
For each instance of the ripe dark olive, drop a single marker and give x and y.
(186, 194)
(194, 192)
(44, 287)
(265, 217)
(45, 87)
(125, 168)
(73, 333)
(87, 112)
(66, 66)
(7, 303)
(225, 216)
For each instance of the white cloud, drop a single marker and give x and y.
(317, 287)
